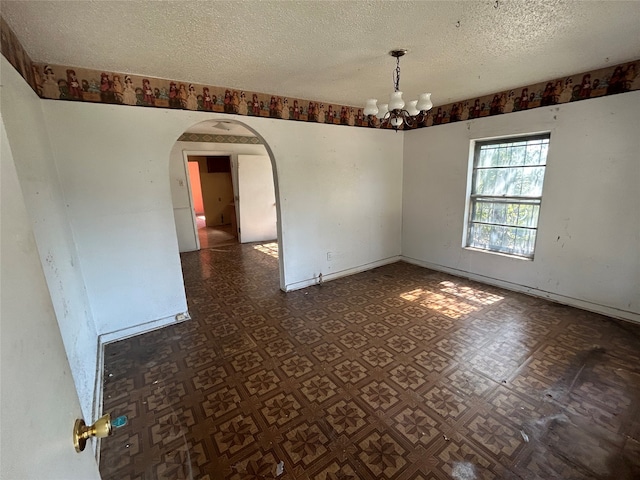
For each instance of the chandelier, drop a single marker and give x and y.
(394, 113)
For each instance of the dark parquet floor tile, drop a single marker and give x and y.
(395, 373)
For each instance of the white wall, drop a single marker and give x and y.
(39, 401)
(113, 165)
(180, 186)
(339, 190)
(46, 205)
(588, 246)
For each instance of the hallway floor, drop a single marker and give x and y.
(399, 372)
(215, 236)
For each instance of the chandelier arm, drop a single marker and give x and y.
(409, 119)
(422, 116)
(387, 118)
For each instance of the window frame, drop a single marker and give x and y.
(472, 199)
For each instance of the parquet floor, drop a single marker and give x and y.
(395, 373)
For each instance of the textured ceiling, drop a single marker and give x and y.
(334, 51)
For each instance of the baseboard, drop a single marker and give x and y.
(551, 296)
(115, 336)
(123, 333)
(342, 273)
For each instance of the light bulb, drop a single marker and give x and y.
(396, 102)
(382, 111)
(424, 102)
(411, 108)
(371, 108)
(396, 122)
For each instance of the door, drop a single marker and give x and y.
(256, 202)
(39, 399)
(183, 195)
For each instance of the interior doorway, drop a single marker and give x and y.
(213, 196)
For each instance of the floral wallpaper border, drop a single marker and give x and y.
(79, 84)
(214, 138)
(12, 50)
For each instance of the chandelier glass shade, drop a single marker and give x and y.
(396, 113)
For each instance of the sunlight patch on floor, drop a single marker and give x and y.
(449, 300)
(472, 294)
(270, 249)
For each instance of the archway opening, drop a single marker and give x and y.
(224, 187)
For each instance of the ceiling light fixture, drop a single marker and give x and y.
(394, 113)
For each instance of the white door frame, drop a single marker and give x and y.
(236, 195)
(207, 153)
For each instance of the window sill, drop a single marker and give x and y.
(491, 252)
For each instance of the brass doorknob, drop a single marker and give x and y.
(81, 432)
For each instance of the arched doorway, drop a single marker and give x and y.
(248, 208)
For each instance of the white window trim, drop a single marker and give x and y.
(470, 179)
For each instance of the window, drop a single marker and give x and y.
(506, 191)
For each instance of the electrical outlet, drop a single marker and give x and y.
(329, 256)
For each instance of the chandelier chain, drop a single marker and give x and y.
(396, 75)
